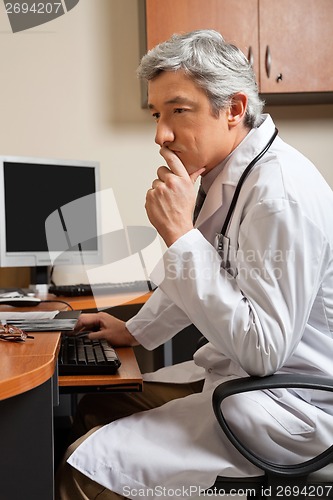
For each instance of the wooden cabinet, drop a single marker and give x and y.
(296, 45)
(165, 17)
(289, 42)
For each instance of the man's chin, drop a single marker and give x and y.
(188, 164)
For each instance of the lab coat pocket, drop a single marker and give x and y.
(291, 412)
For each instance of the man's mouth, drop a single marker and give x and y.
(176, 151)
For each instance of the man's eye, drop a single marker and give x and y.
(179, 110)
(156, 116)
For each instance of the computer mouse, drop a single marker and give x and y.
(24, 301)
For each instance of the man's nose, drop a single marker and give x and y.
(164, 134)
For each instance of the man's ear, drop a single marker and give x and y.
(237, 109)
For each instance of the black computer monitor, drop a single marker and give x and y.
(48, 211)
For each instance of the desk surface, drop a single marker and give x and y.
(98, 302)
(26, 365)
(80, 303)
(127, 378)
(27, 419)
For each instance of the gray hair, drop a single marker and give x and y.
(219, 68)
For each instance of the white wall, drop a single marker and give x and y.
(69, 90)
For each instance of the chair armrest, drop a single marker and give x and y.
(247, 384)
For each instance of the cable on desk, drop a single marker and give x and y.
(61, 301)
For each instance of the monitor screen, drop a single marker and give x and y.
(48, 209)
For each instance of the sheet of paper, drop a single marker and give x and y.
(28, 316)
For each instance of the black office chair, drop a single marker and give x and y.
(309, 479)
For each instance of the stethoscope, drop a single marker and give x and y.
(221, 239)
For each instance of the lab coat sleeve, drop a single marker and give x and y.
(256, 316)
(157, 321)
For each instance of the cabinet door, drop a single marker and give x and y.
(236, 20)
(296, 45)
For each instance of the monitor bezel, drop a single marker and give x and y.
(41, 258)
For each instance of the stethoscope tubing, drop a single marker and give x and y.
(241, 182)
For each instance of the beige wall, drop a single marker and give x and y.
(69, 90)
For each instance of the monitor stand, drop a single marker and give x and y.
(40, 278)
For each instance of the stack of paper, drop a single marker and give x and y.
(41, 321)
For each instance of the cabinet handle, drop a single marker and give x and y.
(250, 56)
(268, 61)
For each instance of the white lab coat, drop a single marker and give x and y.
(271, 311)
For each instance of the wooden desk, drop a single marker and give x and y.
(28, 392)
(24, 366)
(26, 417)
(128, 378)
(90, 302)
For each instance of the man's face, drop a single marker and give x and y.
(185, 122)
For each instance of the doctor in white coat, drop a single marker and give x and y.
(261, 294)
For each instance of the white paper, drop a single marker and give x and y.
(31, 315)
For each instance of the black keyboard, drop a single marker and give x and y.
(100, 288)
(82, 356)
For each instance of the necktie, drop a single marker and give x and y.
(199, 202)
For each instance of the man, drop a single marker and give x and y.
(262, 296)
